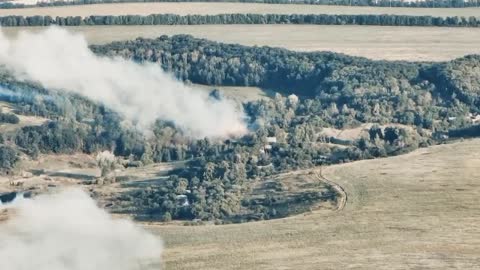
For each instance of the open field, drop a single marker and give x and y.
(375, 42)
(238, 93)
(222, 8)
(415, 211)
(358, 132)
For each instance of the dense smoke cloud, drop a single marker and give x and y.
(142, 93)
(67, 231)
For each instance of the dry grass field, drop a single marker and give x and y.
(220, 8)
(375, 42)
(238, 94)
(415, 211)
(358, 132)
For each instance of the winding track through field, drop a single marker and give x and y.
(413, 211)
(342, 194)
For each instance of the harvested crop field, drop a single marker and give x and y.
(375, 42)
(415, 211)
(225, 8)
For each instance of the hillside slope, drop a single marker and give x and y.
(417, 210)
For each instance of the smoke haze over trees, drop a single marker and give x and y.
(142, 93)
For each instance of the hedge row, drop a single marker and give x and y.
(379, 3)
(172, 19)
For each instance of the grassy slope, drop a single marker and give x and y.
(376, 42)
(219, 8)
(418, 210)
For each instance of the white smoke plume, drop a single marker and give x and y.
(142, 93)
(67, 231)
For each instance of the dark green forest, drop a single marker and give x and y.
(409, 105)
(172, 19)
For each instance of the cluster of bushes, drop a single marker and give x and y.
(9, 118)
(172, 19)
(8, 157)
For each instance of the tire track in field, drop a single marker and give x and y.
(343, 196)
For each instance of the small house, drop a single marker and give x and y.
(271, 140)
(182, 200)
(475, 118)
(268, 146)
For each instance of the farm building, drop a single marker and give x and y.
(271, 140)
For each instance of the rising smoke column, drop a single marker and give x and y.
(67, 231)
(141, 93)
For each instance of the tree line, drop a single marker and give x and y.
(313, 19)
(378, 3)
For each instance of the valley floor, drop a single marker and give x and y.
(415, 211)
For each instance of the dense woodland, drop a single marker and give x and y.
(172, 19)
(375, 3)
(411, 105)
